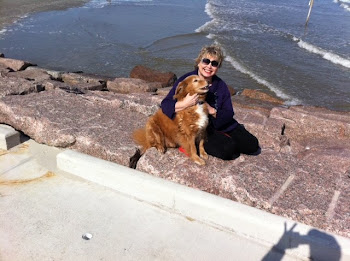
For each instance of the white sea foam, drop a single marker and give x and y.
(2, 31)
(207, 24)
(343, 3)
(269, 85)
(334, 58)
(103, 3)
(208, 9)
(211, 36)
(203, 27)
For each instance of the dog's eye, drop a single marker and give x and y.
(196, 80)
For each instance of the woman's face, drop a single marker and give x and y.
(208, 67)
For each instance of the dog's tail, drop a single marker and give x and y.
(139, 136)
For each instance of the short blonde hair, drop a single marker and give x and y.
(212, 50)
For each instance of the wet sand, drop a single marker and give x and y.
(12, 10)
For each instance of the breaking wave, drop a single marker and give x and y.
(272, 87)
(334, 58)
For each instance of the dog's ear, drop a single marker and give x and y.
(180, 89)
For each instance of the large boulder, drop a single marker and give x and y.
(13, 64)
(150, 75)
(96, 123)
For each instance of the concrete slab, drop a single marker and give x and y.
(47, 208)
(44, 217)
(293, 239)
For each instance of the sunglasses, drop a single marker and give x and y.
(213, 63)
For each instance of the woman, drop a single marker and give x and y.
(226, 138)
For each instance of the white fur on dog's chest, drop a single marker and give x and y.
(203, 117)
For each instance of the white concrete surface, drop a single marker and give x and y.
(45, 209)
(257, 226)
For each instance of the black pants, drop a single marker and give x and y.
(228, 146)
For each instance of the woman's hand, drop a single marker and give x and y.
(212, 111)
(188, 101)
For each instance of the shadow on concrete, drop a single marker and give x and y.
(322, 245)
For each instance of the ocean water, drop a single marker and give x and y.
(266, 43)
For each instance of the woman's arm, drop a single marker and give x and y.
(188, 101)
(170, 106)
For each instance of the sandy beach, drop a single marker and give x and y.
(12, 10)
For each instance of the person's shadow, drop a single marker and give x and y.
(322, 245)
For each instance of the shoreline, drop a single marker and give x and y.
(248, 98)
(13, 10)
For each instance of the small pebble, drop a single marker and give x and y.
(307, 148)
(87, 236)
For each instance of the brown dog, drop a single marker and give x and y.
(187, 128)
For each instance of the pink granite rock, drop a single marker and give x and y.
(16, 65)
(84, 81)
(258, 95)
(31, 74)
(99, 123)
(150, 75)
(127, 85)
(18, 86)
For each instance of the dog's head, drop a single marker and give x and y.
(192, 85)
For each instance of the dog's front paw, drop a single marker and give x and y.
(200, 161)
(204, 155)
(161, 149)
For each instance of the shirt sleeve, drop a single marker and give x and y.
(168, 103)
(224, 114)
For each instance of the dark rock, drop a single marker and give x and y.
(2, 55)
(142, 72)
(127, 85)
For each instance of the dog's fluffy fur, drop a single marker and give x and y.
(187, 128)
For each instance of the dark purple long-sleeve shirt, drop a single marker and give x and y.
(218, 97)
